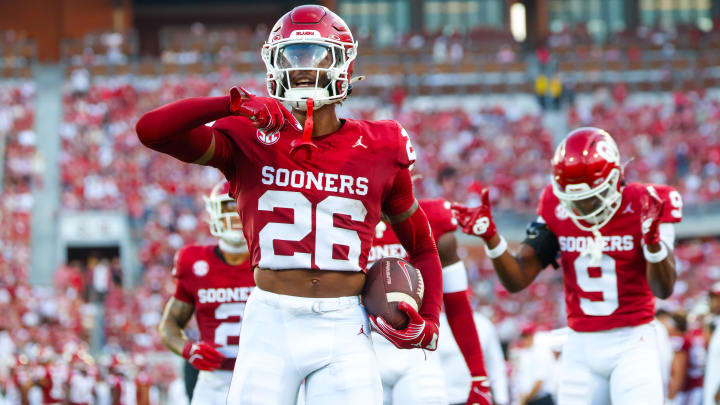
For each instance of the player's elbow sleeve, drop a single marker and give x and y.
(454, 278)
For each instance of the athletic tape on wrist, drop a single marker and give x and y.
(656, 257)
(454, 278)
(498, 250)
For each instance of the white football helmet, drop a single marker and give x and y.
(221, 210)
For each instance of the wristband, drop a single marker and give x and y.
(656, 257)
(498, 250)
(483, 380)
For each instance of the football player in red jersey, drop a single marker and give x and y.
(309, 203)
(695, 345)
(615, 243)
(214, 282)
(406, 375)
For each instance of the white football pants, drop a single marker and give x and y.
(618, 366)
(211, 387)
(409, 377)
(286, 339)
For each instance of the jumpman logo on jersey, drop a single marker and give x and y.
(359, 143)
(362, 330)
(628, 209)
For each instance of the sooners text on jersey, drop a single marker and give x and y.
(386, 244)
(319, 213)
(616, 294)
(218, 291)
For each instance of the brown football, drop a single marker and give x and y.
(390, 281)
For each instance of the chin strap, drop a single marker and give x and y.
(305, 143)
(594, 250)
(232, 248)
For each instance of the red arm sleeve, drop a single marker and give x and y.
(178, 129)
(460, 317)
(413, 230)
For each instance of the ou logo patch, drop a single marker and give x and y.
(608, 151)
(201, 268)
(268, 139)
(481, 226)
(561, 213)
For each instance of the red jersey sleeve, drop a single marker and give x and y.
(414, 234)
(406, 152)
(673, 203)
(178, 129)
(547, 203)
(180, 272)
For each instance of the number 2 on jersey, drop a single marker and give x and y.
(326, 233)
(228, 329)
(606, 284)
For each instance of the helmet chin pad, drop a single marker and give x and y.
(297, 97)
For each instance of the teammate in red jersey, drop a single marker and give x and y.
(309, 204)
(407, 378)
(214, 282)
(615, 244)
(695, 345)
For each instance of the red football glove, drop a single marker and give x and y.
(420, 333)
(477, 221)
(266, 114)
(480, 392)
(650, 215)
(202, 355)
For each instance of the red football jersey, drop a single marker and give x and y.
(319, 213)
(218, 291)
(616, 294)
(696, 347)
(386, 244)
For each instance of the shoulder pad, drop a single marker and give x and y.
(440, 216)
(183, 260)
(547, 203)
(673, 202)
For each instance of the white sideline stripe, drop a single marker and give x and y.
(401, 297)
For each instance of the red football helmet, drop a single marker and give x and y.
(587, 177)
(224, 219)
(309, 38)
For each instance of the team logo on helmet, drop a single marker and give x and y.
(561, 213)
(268, 139)
(201, 268)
